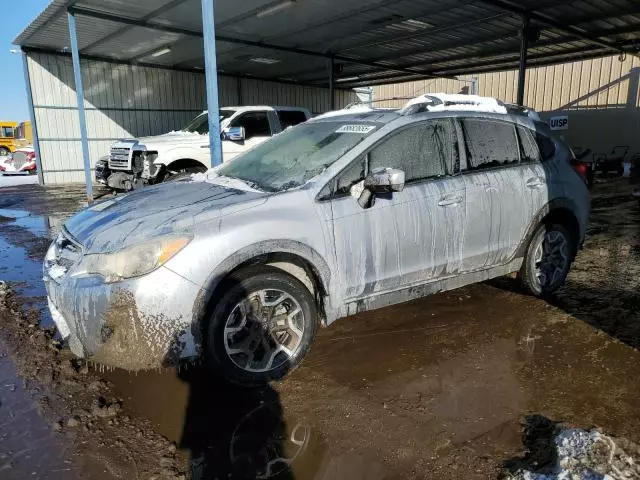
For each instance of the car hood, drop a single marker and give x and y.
(164, 209)
(173, 139)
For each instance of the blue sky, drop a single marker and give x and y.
(13, 94)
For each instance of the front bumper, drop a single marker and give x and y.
(137, 324)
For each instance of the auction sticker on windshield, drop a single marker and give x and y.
(355, 129)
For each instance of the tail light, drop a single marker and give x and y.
(580, 168)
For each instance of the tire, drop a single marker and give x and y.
(558, 254)
(250, 339)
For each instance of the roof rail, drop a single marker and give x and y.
(442, 102)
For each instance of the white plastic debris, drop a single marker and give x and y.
(585, 455)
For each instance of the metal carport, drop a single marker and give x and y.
(330, 43)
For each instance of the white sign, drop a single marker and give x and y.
(559, 123)
(353, 129)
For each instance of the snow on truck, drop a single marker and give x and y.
(149, 160)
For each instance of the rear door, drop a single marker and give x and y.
(407, 237)
(496, 199)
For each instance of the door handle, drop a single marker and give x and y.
(535, 182)
(450, 201)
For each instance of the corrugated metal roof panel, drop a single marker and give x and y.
(393, 38)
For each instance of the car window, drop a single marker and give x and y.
(546, 145)
(489, 143)
(289, 118)
(256, 124)
(296, 155)
(7, 132)
(353, 174)
(529, 152)
(421, 151)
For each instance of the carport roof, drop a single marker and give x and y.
(370, 41)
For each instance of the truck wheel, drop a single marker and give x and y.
(548, 259)
(4, 152)
(261, 327)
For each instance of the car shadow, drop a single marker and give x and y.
(233, 431)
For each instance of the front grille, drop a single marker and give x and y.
(19, 159)
(119, 158)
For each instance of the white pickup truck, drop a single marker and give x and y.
(149, 160)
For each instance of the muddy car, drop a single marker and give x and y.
(332, 217)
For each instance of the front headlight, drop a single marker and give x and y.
(131, 261)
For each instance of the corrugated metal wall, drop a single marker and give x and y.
(124, 101)
(600, 96)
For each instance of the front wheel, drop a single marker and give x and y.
(261, 327)
(548, 259)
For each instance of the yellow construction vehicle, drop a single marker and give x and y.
(14, 135)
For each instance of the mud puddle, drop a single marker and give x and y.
(28, 445)
(435, 388)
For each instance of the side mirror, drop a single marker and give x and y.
(384, 180)
(235, 134)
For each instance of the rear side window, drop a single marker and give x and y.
(289, 118)
(422, 151)
(529, 152)
(546, 145)
(489, 143)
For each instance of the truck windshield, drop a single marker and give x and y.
(296, 155)
(200, 124)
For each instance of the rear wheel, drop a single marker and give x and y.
(548, 259)
(261, 327)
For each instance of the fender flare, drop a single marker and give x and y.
(562, 203)
(245, 254)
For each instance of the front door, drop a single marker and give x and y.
(256, 130)
(407, 237)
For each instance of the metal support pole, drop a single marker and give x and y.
(211, 75)
(332, 96)
(524, 44)
(32, 114)
(77, 77)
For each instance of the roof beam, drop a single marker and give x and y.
(158, 11)
(223, 38)
(429, 31)
(552, 23)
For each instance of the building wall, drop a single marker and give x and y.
(600, 96)
(125, 101)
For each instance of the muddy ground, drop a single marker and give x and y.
(435, 388)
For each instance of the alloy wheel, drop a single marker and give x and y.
(264, 330)
(552, 258)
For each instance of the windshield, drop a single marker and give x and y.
(200, 124)
(296, 155)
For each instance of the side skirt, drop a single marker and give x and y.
(405, 294)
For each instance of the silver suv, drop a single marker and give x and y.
(345, 213)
